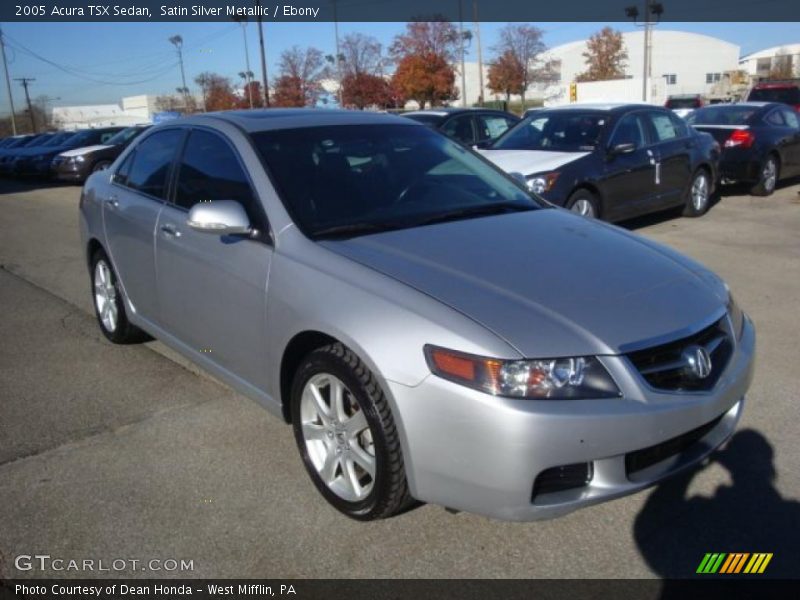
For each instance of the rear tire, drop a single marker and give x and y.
(768, 177)
(698, 196)
(350, 448)
(109, 307)
(584, 203)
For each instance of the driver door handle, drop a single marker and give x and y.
(170, 230)
(112, 201)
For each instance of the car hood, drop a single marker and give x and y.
(548, 282)
(529, 162)
(84, 150)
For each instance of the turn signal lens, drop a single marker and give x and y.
(741, 138)
(558, 378)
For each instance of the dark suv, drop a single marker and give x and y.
(785, 92)
(470, 126)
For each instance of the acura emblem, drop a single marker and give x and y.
(697, 361)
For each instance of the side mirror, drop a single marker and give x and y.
(622, 149)
(219, 217)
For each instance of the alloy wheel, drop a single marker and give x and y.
(769, 175)
(337, 437)
(700, 192)
(583, 207)
(105, 296)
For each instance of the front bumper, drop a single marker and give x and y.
(67, 170)
(471, 451)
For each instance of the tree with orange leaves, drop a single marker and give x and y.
(506, 75)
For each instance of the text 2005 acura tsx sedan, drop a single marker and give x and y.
(430, 330)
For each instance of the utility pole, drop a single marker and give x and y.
(655, 9)
(263, 56)
(337, 57)
(25, 81)
(247, 74)
(177, 41)
(461, 52)
(480, 54)
(8, 83)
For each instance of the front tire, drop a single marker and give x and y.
(109, 308)
(698, 196)
(346, 435)
(768, 177)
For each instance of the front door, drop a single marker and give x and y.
(212, 288)
(674, 147)
(130, 213)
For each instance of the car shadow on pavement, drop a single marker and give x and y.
(16, 186)
(674, 532)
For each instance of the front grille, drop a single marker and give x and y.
(667, 367)
(647, 457)
(562, 478)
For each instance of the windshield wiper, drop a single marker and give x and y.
(474, 211)
(354, 229)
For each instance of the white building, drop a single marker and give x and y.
(760, 64)
(686, 63)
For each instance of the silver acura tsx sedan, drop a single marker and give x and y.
(430, 329)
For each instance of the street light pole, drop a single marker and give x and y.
(655, 9)
(8, 84)
(480, 54)
(337, 57)
(177, 41)
(461, 52)
(248, 72)
(263, 55)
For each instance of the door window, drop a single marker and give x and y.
(665, 128)
(630, 130)
(210, 170)
(152, 160)
(459, 128)
(492, 126)
(790, 117)
(775, 118)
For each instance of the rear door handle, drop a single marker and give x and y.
(170, 230)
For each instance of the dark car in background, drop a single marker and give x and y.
(37, 164)
(785, 92)
(77, 164)
(760, 142)
(470, 126)
(612, 161)
(683, 104)
(9, 154)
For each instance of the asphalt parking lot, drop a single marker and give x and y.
(111, 452)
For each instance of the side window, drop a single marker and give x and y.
(791, 118)
(106, 136)
(152, 161)
(630, 130)
(680, 125)
(775, 118)
(210, 170)
(121, 176)
(491, 126)
(663, 126)
(460, 128)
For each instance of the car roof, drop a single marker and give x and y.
(291, 118)
(445, 111)
(764, 85)
(603, 106)
(748, 104)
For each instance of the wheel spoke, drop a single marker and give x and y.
(364, 460)
(323, 410)
(350, 478)
(337, 401)
(356, 424)
(313, 432)
(112, 315)
(328, 470)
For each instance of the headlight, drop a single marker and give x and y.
(78, 159)
(540, 184)
(736, 315)
(551, 379)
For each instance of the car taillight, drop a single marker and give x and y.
(741, 138)
(797, 107)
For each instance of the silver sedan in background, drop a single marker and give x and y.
(431, 330)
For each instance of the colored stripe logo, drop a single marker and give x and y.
(734, 562)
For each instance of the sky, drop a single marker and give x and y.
(87, 63)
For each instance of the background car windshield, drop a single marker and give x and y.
(721, 115)
(565, 131)
(123, 136)
(82, 137)
(689, 102)
(426, 118)
(58, 139)
(787, 95)
(391, 176)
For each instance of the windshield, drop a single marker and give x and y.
(722, 115)
(58, 139)
(786, 95)
(562, 131)
(688, 102)
(36, 140)
(425, 118)
(124, 136)
(351, 179)
(85, 137)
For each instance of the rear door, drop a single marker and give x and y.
(792, 120)
(673, 149)
(212, 288)
(461, 128)
(130, 213)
